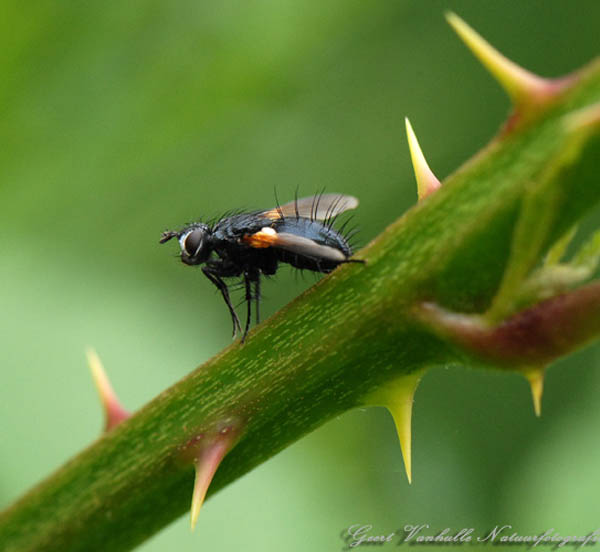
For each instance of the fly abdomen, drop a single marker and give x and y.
(313, 245)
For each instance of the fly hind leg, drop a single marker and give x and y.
(249, 279)
(257, 300)
(248, 287)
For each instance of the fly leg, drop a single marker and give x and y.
(249, 279)
(361, 261)
(248, 287)
(257, 299)
(210, 273)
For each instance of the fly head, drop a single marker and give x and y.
(194, 241)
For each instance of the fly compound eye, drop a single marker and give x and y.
(192, 242)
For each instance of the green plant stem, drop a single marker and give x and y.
(318, 357)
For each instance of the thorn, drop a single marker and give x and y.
(206, 465)
(398, 397)
(525, 89)
(536, 382)
(401, 411)
(427, 182)
(114, 413)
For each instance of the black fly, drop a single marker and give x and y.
(299, 233)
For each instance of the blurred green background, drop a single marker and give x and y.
(121, 120)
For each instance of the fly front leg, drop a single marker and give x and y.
(214, 272)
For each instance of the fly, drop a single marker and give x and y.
(299, 233)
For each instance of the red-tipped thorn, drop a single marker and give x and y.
(427, 182)
(209, 456)
(527, 90)
(114, 413)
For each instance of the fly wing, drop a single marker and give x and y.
(269, 237)
(319, 207)
(307, 247)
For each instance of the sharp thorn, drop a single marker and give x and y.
(526, 89)
(206, 465)
(398, 398)
(114, 413)
(427, 182)
(535, 378)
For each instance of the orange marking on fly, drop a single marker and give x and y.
(267, 237)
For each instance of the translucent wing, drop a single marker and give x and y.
(307, 247)
(319, 207)
(268, 237)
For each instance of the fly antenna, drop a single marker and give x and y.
(167, 235)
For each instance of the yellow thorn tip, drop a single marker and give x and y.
(113, 411)
(206, 465)
(427, 182)
(522, 86)
(536, 382)
(402, 414)
(398, 397)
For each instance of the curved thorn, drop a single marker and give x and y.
(522, 86)
(401, 411)
(206, 465)
(427, 182)
(398, 398)
(535, 378)
(114, 413)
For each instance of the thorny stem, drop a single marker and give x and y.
(323, 354)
